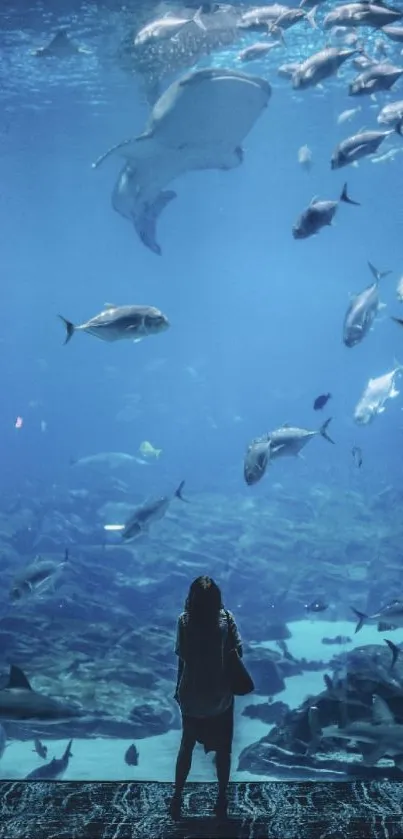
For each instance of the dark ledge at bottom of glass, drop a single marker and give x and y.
(125, 810)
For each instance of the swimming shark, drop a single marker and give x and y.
(20, 703)
(53, 770)
(381, 737)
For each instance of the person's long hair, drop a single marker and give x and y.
(202, 613)
(203, 603)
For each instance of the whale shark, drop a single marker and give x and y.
(199, 123)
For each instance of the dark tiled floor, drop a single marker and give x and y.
(122, 810)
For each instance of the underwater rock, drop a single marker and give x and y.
(367, 673)
(277, 632)
(338, 639)
(270, 712)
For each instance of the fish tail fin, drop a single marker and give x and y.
(395, 650)
(346, 198)
(69, 328)
(311, 17)
(68, 752)
(378, 275)
(147, 222)
(398, 365)
(178, 492)
(362, 617)
(399, 127)
(323, 430)
(110, 151)
(197, 19)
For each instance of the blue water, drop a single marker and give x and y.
(256, 317)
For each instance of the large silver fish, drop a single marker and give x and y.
(282, 442)
(320, 66)
(165, 27)
(145, 515)
(256, 459)
(157, 60)
(319, 214)
(362, 311)
(116, 323)
(288, 441)
(391, 114)
(375, 15)
(36, 577)
(376, 78)
(199, 123)
(376, 394)
(360, 145)
(388, 618)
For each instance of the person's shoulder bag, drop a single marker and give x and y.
(240, 680)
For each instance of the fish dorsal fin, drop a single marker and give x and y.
(381, 712)
(37, 558)
(285, 425)
(110, 306)
(17, 679)
(314, 200)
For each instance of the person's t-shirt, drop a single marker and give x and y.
(204, 688)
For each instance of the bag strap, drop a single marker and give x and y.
(229, 632)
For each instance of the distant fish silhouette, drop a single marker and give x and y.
(321, 401)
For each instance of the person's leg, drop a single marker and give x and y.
(223, 767)
(183, 765)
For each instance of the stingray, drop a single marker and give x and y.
(200, 122)
(60, 46)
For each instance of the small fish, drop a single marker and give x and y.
(148, 450)
(376, 394)
(321, 401)
(317, 606)
(319, 214)
(115, 323)
(132, 756)
(347, 115)
(256, 51)
(356, 452)
(399, 290)
(54, 770)
(394, 650)
(40, 749)
(305, 158)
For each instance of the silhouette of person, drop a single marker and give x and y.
(206, 632)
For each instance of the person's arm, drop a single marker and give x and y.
(179, 653)
(235, 640)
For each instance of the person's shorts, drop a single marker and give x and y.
(212, 732)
